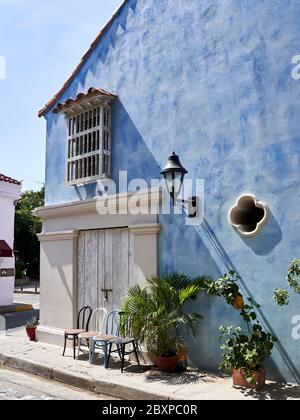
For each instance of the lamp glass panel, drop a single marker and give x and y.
(169, 182)
(174, 181)
(177, 182)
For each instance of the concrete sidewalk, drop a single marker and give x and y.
(46, 360)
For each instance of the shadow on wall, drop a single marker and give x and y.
(195, 259)
(267, 240)
(277, 375)
(205, 348)
(129, 151)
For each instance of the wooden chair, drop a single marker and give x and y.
(83, 322)
(97, 324)
(121, 343)
(102, 341)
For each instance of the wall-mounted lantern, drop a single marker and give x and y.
(174, 174)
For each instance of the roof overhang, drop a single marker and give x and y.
(5, 250)
(9, 180)
(84, 101)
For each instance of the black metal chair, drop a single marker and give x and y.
(121, 343)
(83, 322)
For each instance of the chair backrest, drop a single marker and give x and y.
(98, 320)
(112, 323)
(84, 318)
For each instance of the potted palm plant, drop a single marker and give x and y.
(245, 351)
(155, 316)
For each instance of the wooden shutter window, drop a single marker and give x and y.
(89, 146)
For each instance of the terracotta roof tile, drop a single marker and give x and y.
(51, 103)
(91, 93)
(4, 178)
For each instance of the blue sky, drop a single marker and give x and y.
(42, 42)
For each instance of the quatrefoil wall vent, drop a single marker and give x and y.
(249, 216)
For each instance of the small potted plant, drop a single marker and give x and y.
(31, 327)
(246, 351)
(155, 316)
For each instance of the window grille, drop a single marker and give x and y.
(89, 145)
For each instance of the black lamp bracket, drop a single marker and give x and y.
(190, 205)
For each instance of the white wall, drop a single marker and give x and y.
(59, 257)
(9, 193)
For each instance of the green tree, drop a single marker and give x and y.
(27, 227)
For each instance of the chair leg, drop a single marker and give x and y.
(119, 351)
(79, 348)
(89, 343)
(74, 348)
(136, 353)
(107, 354)
(123, 347)
(92, 352)
(65, 346)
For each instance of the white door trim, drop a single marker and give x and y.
(148, 199)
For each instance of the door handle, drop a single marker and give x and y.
(106, 291)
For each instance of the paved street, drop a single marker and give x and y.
(27, 299)
(19, 386)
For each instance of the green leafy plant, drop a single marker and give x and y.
(246, 350)
(281, 296)
(227, 287)
(155, 315)
(293, 277)
(33, 323)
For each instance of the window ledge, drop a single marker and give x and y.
(92, 180)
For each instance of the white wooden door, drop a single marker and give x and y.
(103, 268)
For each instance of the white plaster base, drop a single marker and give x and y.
(7, 285)
(50, 335)
(59, 258)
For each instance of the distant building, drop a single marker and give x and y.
(10, 191)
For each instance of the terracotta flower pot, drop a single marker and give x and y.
(183, 358)
(31, 332)
(167, 364)
(240, 379)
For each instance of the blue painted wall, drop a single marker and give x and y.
(212, 80)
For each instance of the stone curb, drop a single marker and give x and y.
(63, 376)
(18, 292)
(15, 308)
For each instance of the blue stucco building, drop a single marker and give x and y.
(213, 81)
